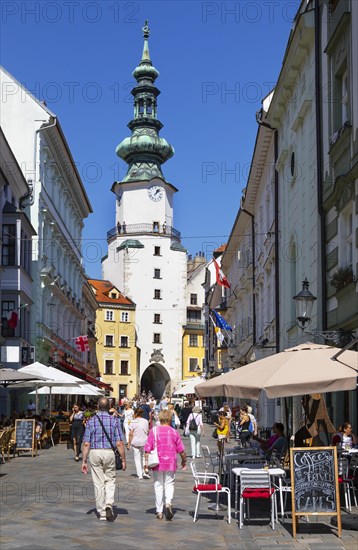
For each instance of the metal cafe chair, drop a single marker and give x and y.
(256, 484)
(206, 483)
(210, 458)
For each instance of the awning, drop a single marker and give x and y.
(86, 376)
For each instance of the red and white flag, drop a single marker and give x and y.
(220, 277)
(82, 343)
(12, 318)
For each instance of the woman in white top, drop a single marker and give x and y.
(128, 417)
(138, 435)
(195, 418)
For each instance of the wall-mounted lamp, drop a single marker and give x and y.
(304, 303)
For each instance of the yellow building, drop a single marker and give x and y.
(193, 350)
(116, 339)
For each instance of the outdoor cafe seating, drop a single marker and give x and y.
(207, 483)
(254, 485)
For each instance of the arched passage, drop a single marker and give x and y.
(156, 379)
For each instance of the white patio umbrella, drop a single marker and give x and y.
(188, 386)
(81, 389)
(305, 369)
(14, 376)
(53, 377)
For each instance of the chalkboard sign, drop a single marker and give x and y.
(25, 435)
(315, 488)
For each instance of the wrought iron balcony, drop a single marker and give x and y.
(144, 229)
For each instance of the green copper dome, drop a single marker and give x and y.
(144, 151)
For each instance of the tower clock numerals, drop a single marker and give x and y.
(156, 193)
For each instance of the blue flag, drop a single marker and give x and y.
(220, 321)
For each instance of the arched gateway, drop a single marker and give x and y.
(156, 379)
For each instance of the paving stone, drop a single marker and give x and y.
(46, 503)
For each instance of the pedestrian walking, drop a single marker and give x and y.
(77, 429)
(101, 456)
(168, 444)
(138, 435)
(195, 429)
(128, 417)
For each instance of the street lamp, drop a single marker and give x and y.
(304, 303)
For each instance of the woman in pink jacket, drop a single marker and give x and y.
(169, 444)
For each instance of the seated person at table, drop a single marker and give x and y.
(267, 443)
(345, 436)
(280, 445)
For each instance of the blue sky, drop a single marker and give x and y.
(217, 60)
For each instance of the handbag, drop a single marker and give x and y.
(215, 434)
(153, 458)
(117, 456)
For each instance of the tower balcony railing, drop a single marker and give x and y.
(144, 229)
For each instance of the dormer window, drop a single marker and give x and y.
(113, 295)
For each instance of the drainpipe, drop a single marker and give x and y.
(319, 166)
(253, 274)
(277, 248)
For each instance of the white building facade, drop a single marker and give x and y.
(146, 259)
(59, 206)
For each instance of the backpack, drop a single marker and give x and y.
(193, 425)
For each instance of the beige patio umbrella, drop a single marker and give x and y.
(304, 369)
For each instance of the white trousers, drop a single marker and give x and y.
(103, 470)
(138, 455)
(163, 488)
(195, 444)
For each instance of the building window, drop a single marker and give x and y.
(125, 317)
(109, 316)
(122, 391)
(124, 367)
(346, 250)
(157, 294)
(7, 330)
(193, 364)
(193, 340)
(8, 255)
(155, 227)
(108, 366)
(193, 316)
(193, 299)
(124, 342)
(157, 274)
(113, 295)
(109, 341)
(157, 320)
(157, 251)
(157, 338)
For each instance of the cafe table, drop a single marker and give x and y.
(274, 472)
(240, 457)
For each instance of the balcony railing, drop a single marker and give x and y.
(144, 229)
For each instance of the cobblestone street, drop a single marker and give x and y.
(47, 503)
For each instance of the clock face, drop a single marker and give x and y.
(156, 193)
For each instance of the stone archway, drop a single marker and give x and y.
(156, 379)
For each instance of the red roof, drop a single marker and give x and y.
(103, 290)
(220, 250)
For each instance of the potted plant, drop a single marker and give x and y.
(342, 277)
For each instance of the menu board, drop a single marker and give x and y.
(25, 435)
(314, 478)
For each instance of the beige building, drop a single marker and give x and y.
(116, 346)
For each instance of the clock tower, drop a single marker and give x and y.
(146, 259)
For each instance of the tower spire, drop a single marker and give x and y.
(145, 151)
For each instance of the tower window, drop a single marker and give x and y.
(157, 294)
(157, 274)
(157, 319)
(193, 299)
(157, 338)
(141, 108)
(157, 251)
(149, 108)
